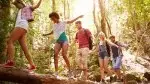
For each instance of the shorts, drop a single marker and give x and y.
(117, 61)
(61, 43)
(103, 55)
(82, 57)
(22, 24)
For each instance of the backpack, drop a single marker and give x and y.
(108, 49)
(89, 39)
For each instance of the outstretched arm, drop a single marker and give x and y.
(123, 45)
(48, 33)
(37, 5)
(112, 44)
(71, 21)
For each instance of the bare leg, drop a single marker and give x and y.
(106, 61)
(15, 35)
(101, 62)
(64, 54)
(57, 49)
(118, 73)
(23, 45)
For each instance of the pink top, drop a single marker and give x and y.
(82, 39)
(26, 13)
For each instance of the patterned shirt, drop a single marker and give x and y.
(26, 13)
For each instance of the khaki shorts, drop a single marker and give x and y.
(82, 57)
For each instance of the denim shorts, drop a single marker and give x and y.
(117, 61)
(103, 55)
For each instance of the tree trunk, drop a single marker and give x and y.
(54, 5)
(109, 27)
(24, 77)
(4, 25)
(94, 17)
(103, 20)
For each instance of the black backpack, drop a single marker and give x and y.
(108, 49)
(89, 39)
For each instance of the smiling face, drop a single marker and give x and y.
(78, 25)
(112, 38)
(101, 36)
(54, 19)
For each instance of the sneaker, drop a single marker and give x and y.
(9, 64)
(32, 67)
(102, 81)
(55, 74)
(111, 78)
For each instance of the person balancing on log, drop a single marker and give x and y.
(24, 17)
(61, 39)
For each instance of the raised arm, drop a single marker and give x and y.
(112, 44)
(71, 21)
(37, 5)
(123, 45)
(48, 33)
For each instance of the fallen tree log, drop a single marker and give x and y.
(25, 77)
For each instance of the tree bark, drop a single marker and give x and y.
(103, 20)
(54, 5)
(94, 17)
(24, 77)
(4, 26)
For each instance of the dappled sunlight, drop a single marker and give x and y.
(61, 51)
(131, 64)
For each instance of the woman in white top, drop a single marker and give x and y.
(60, 38)
(19, 32)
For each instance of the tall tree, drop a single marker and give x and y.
(103, 17)
(95, 16)
(4, 25)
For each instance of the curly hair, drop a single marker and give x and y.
(54, 14)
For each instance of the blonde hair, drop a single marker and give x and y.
(101, 34)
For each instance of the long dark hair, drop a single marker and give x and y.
(16, 2)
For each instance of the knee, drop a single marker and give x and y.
(105, 68)
(64, 54)
(9, 42)
(55, 57)
(101, 67)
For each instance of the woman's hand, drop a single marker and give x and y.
(81, 16)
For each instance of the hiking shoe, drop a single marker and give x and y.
(102, 81)
(9, 64)
(32, 67)
(56, 75)
(111, 79)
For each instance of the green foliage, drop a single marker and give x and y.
(136, 24)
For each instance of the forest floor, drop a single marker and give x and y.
(136, 70)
